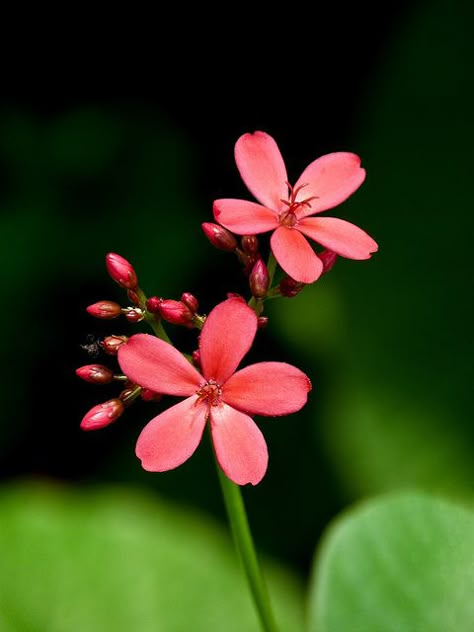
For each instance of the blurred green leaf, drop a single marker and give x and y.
(117, 560)
(401, 563)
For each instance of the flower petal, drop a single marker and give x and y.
(342, 237)
(262, 168)
(172, 437)
(267, 388)
(295, 255)
(227, 335)
(332, 178)
(155, 364)
(243, 217)
(239, 444)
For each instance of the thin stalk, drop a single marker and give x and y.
(246, 549)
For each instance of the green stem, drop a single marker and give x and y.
(158, 328)
(245, 546)
(271, 267)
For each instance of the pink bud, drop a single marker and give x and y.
(262, 322)
(111, 344)
(175, 312)
(121, 271)
(289, 287)
(328, 257)
(104, 309)
(134, 314)
(95, 373)
(259, 279)
(150, 396)
(190, 301)
(102, 415)
(153, 304)
(249, 244)
(219, 236)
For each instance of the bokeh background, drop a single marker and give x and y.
(387, 342)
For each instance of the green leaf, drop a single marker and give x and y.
(400, 563)
(115, 560)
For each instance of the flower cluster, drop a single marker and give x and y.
(216, 391)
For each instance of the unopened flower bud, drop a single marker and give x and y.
(150, 396)
(249, 244)
(262, 322)
(111, 344)
(197, 358)
(102, 415)
(190, 301)
(104, 309)
(134, 314)
(289, 287)
(133, 296)
(259, 279)
(175, 312)
(153, 304)
(219, 236)
(328, 257)
(121, 271)
(95, 373)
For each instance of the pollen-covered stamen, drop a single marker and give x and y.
(210, 393)
(288, 216)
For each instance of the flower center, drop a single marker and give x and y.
(288, 216)
(210, 393)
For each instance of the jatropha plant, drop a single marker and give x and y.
(215, 392)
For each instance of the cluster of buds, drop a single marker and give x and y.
(109, 411)
(183, 312)
(221, 238)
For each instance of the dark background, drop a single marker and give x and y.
(386, 342)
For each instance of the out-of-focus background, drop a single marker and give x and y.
(386, 342)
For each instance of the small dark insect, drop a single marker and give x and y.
(92, 346)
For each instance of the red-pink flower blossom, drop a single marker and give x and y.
(220, 393)
(286, 209)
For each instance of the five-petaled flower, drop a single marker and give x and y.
(221, 394)
(286, 209)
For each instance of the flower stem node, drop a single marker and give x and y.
(259, 280)
(95, 374)
(105, 310)
(102, 415)
(111, 344)
(219, 236)
(121, 271)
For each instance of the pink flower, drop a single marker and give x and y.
(286, 210)
(220, 394)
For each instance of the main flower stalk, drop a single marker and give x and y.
(246, 549)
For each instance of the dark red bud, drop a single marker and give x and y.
(104, 309)
(328, 257)
(197, 358)
(102, 415)
(121, 271)
(134, 314)
(153, 304)
(150, 396)
(259, 279)
(95, 373)
(190, 301)
(133, 296)
(289, 287)
(249, 244)
(219, 236)
(262, 322)
(175, 312)
(111, 344)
